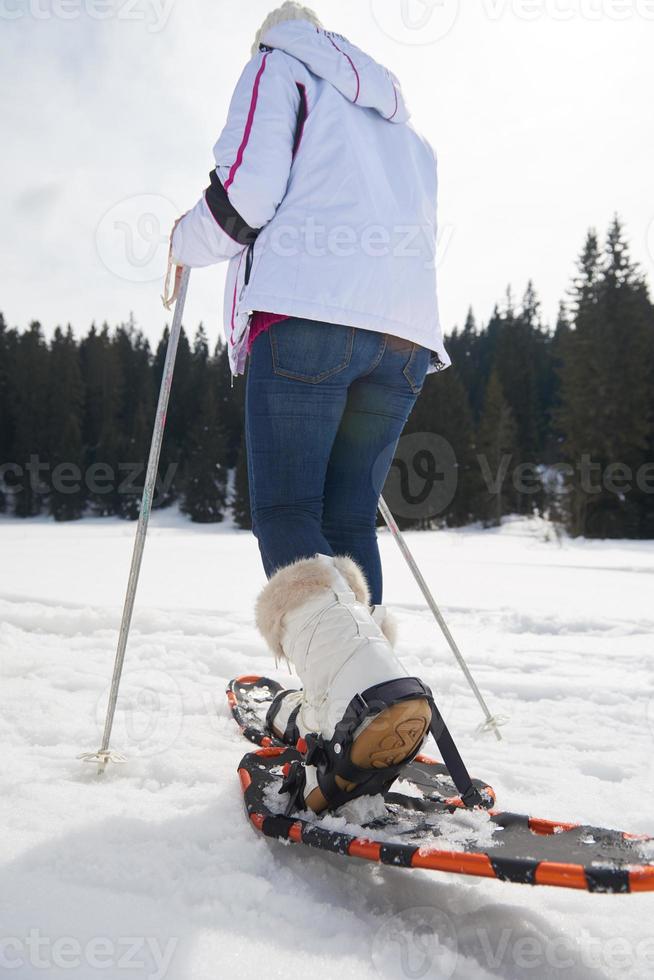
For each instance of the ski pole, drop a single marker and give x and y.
(492, 722)
(103, 756)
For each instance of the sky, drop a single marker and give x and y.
(541, 113)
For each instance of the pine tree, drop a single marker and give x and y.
(200, 346)
(473, 352)
(629, 422)
(65, 398)
(231, 405)
(462, 346)
(526, 370)
(241, 503)
(27, 393)
(496, 447)
(443, 408)
(541, 353)
(205, 481)
(605, 411)
(558, 342)
(185, 398)
(100, 426)
(8, 342)
(135, 416)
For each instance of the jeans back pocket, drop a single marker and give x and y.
(309, 350)
(415, 370)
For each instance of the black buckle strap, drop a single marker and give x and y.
(332, 758)
(470, 797)
(294, 782)
(291, 733)
(316, 753)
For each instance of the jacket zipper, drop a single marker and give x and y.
(248, 269)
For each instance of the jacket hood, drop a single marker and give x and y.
(355, 74)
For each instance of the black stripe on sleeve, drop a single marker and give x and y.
(302, 113)
(226, 214)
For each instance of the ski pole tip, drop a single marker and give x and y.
(103, 757)
(493, 724)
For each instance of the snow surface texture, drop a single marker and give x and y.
(153, 871)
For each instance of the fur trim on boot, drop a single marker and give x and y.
(295, 584)
(386, 622)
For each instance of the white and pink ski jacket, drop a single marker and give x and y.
(323, 197)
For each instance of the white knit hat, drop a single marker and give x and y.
(287, 11)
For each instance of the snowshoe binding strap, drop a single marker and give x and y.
(470, 796)
(332, 758)
(295, 780)
(291, 734)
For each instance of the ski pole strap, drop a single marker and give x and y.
(170, 298)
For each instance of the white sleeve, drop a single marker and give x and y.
(199, 240)
(255, 150)
(253, 160)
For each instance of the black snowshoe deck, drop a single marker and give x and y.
(421, 823)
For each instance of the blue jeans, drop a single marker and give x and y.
(325, 408)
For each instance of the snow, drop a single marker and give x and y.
(451, 832)
(152, 870)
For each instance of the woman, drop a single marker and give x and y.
(323, 198)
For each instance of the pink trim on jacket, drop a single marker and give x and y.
(396, 104)
(356, 97)
(248, 126)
